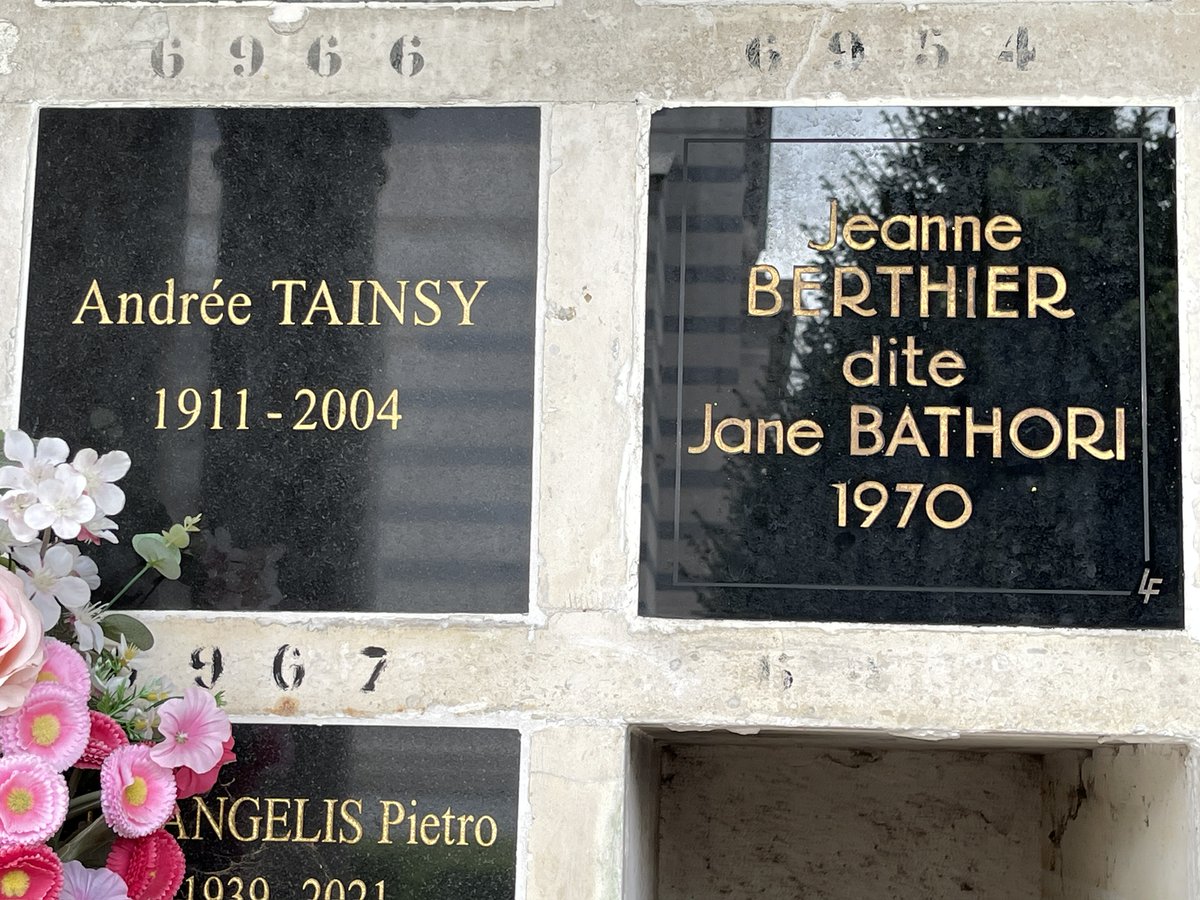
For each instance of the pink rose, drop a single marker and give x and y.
(20, 643)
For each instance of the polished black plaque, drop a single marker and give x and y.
(357, 812)
(314, 326)
(913, 365)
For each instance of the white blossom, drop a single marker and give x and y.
(13, 507)
(86, 622)
(100, 472)
(84, 567)
(50, 582)
(61, 504)
(98, 529)
(38, 462)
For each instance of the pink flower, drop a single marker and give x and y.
(65, 666)
(136, 793)
(30, 873)
(105, 737)
(52, 725)
(189, 783)
(151, 866)
(33, 801)
(82, 883)
(193, 729)
(20, 643)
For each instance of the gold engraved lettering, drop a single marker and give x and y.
(273, 818)
(776, 427)
(702, 446)
(176, 822)
(895, 273)
(1034, 412)
(743, 446)
(947, 287)
(428, 302)
(351, 820)
(841, 300)
(940, 221)
(800, 284)
(301, 837)
(906, 435)
(1002, 224)
(828, 243)
(754, 288)
(1085, 442)
(125, 300)
(377, 291)
(391, 814)
(463, 821)
(995, 286)
(167, 298)
(946, 360)
(429, 821)
(93, 300)
(865, 224)
(330, 808)
(466, 302)
(493, 830)
(1048, 302)
(909, 243)
(993, 428)
(960, 225)
(322, 301)
(871, 357)
(254, 820)
(804, 430)
(216, 824)
(289, 285)
(943, 414)
(871, 426)
(355, 301)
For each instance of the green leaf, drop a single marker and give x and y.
(158, 554)
(118, 625)
(177, 536)
(90, 844)
(150, 547)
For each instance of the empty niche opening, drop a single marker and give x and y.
(849, 817)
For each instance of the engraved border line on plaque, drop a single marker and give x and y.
(1078, 592)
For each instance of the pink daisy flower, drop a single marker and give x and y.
(194, 731)
(152, 866)
(105, 737)
(33, 801)
(82, 883)
(52, 725)
(136, 793)
(65, 666)
(30, 873)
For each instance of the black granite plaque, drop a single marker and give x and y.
(325, 345)
(913, 365)
(357, 813)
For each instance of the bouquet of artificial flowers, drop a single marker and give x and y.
(93, 759)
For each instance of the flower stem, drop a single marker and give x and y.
(82, 841)
(121, 592)
(82, 803)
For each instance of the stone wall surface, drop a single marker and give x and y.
(581, 667)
